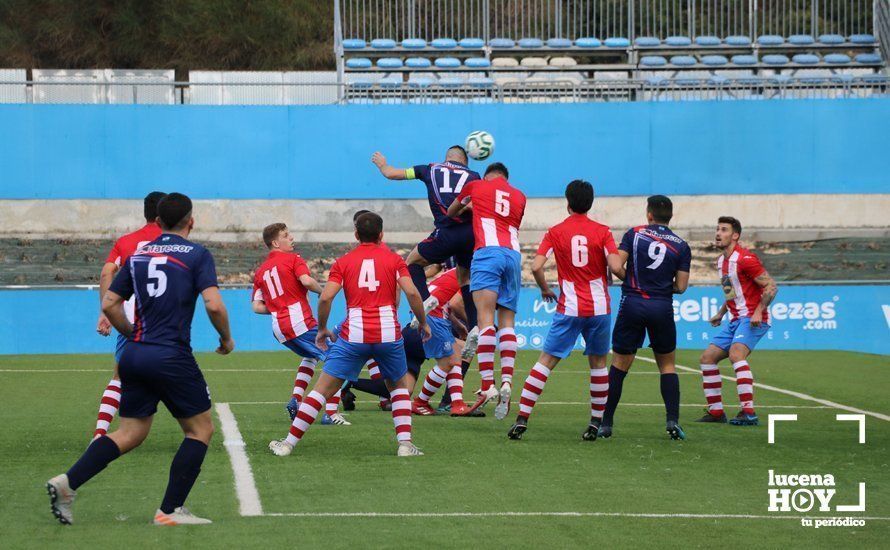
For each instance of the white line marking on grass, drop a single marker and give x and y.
(545, 514)
(109, 369)
(798, 395)
(367, 402)
(245, 487)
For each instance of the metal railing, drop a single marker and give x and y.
(882, 26)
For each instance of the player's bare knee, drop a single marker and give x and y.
(737, 354)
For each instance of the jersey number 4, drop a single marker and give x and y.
(157, 279)
(367, 278)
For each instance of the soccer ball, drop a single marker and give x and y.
(480, 145)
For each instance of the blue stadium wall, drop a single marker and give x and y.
(313, 152)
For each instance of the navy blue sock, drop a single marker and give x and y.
(184, 471)
(469, 306)
(418, 275)
(670, 392)
(616, 383)
(374, 387)
(98, 455)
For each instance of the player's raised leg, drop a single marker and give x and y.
(108, 406)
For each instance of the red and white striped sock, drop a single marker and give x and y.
(485, 353)
(333, 403)
(455, 381)
(401, 413)
(434, 380)
(744, 380)
(304, 376)
(374, 372)
(306, 415)
(108, 406)
(599, 392)
(713, 386)
(507, 346)
(532, 389)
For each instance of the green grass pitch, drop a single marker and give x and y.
(49, 405)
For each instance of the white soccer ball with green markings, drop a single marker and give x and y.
(480, 145)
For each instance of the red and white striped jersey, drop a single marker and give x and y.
(498, 208)
(737, 274)
(125, 247)
(277, 284)
(444, 287)
(369, 276)
(580, 246)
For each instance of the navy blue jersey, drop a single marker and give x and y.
(444, 182)
(167, 275)
(655, 255)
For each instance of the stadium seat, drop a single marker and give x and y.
(707, 41)
(563, 62)
(358, 63)
(471, 43)
(481, 82)
(533, 62)
(869, 58)
(451, 81)
(739, 41)
(530, 43)
(862, 39)
(831, 39)
(770, 40)
(588, 42)
(653, 61)
(389, 63)
(744, 60)
(775, 59)
(647, 42)
(383, 43)
(421, 81)
(837, 58)
(501, 43)
(617, 42)
(414, 43)
(842, 78)
(418, 63)
(801, 39)
(657, 81)
(447, 62)
(559, 43)
(780, 79)
(393, 81)
(361, 82)
(687, 81)
(354, 44)
(504, 62)
(874, 79)
(477, 62)
(714, 60)
(717, 80)
(683, 60)
(444, 43)
(678, 41)
(805, 59)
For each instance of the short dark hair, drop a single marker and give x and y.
(661, 208)
(579, 193)
(271, 231)
(150, 205)
(459, 149)
(736, 224)
(174, 211)
(498, 167)
(369, 226)
(357, 214)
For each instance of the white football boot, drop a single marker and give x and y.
(180, 516)
(280, 447)
(483, 397)
(470, 345)
(503, 407)
(429, 304)
(61, 497)
(409, 449)
(338, 419)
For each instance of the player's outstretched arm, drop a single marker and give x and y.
(617, 262)
(259, 307)
(103, 325)
(219, 317)
(547, 293)
(416, 304)
(681, 282)
(324, 313)
(113, 309)
(388, 171)
(311, 284)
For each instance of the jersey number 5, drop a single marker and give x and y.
(157, 283)
(502, 203)
(367, 278)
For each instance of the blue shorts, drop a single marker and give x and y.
(565, 329)
(346, 359)
(739, 331)
(413, 350)
(498, 269)
(151, 373)
(441, 343)
(443, 243)
(637, 317)
(119, 347)
(304, 345)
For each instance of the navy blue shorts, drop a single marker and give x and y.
(443, 243)
(638, 316)
(415, 355)
(151, 373)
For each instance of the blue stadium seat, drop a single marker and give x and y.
(775, 59)
(617, 42)
(868, 58)
(687, 81)
(501, 43)
(531, 43)
(420, 82)
(451, 81)
(657, 81)
(444, 43)
(683, 60)
(383, 43)
(653, 61)
(862, 39)
(588, 42)
(742, 41)
(647, 42)
(837, 58)
(414, 43)
(744, 60)
(707, 40)
(358, 63)
(874, 79)
(481, 82)
(801, 39)
(361, 82)
(770, 40)
(813, 79)
(559, 43)
(714, 60)
(390, 81)
(471, 43)
(418, 63)
(717, 80)
(389, 63)
(842, 78)
(780, 79)
(678, 41)
(805, 59)
(354, 44)
(447, 62)
(748, 80)
(477, 62)
(831, 39)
